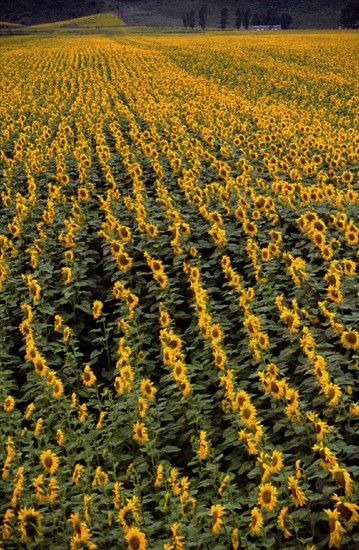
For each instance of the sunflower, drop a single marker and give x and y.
(140, 432)
(66, 334)
(124, 261)
(219, 356)
(88, 377)
(241, 398)
(350, 339)
(249, 228)
(203, 445)
(253, 325)
(185, 386)
(349, 267)
(296, 493)
(9, 404)
(124, 232)
(129, 512)
(135, 539)
(49, 461)
(165, 319)
(69, 256)
(179, 371)
(282, 524)
(216, 513)
(216, 333)
(83, 194)
(276, 463)
(30, 524)
(97, 307)
(342, 477)
(335, 528)
(256, 522)
(6, 527)
(248, 413)
(148, 389)
(66, 274)
(335, 295)
(348, 510)
(29, 410)
(152, 230)
(58, 322)
(40, 365)
(267, 496)
(333, 393)
(320, 427)
(352, 235)
(347, 177)
(58, 388)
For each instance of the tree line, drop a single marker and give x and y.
(349, 15)
(242, 18)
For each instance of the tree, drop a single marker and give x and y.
(246, 18)
(191, 19)
(185, 19)
(256, 19)
(224, 18)
(349, 15)
(271, 17)
(285, 20)
(238, 16)
(202, 16)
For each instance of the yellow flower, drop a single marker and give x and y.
(296, 493)
(49, 461)
(67, 334)
(350, 339)
(60, 437)
(100, 478)
(256, 522)
(248, 413)
(223, 484)
(335, 528)
(29, 410)
(128, 512)
(9, 404)
(267, 496)
(276, 463)
(320, 427)
(135, 539)
(82, 412)
(140, 432)
(147, 388)
(342, 477)
(76, 474)
(216, 513)
(203, 445)
(58, 388)
(348, 510)
(281, 522)
(88, 377)
(38, 427)
(97, 307)
(58, 322)
(30, 524)
(66, 275)
(6, 527)
(159, 475)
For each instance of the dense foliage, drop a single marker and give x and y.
(179, 292)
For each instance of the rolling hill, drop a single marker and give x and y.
(305, 13)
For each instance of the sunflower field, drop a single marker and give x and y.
(179, 291)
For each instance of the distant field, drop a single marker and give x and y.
(178, 289)
(89, 22)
